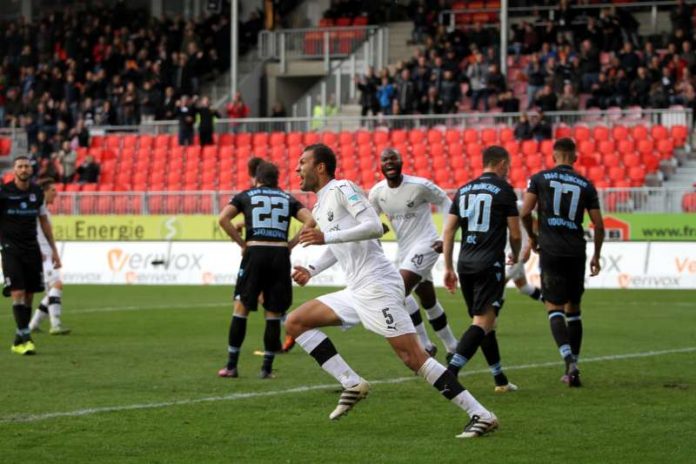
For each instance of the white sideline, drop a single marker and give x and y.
(307, 388)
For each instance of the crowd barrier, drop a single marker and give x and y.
(634, 265)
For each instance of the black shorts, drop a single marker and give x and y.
(23, 270)
(562, 278)
(483, 289)
(265, 270)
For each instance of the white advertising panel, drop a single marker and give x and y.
(624, 264)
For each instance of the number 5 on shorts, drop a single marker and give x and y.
(387, 317)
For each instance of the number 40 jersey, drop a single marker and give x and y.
(563, 196)
(483, 206)
(267, 213)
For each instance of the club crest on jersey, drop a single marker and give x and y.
(32, 197)
(411, 203)
(330, 216)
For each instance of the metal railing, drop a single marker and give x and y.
(612, 117)
(338, 87)
(321, 43)
(627, 200)
(517, 14)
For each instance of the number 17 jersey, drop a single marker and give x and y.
(563, 196)
(267, 213)
(483, 206)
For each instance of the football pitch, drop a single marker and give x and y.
(136, 383)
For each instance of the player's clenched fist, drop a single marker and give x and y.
(311, 237)
(301, 275)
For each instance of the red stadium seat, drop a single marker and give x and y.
(470, 136)
(637, 175)
(416, 136)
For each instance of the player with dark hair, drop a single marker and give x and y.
(562, 196)
(374, 296)
(265, 267)
(407, 200)
(21, 203)
(485, 209)
(51, 304)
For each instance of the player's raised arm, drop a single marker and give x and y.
(228, 213)
(448, 233)
(48, 233)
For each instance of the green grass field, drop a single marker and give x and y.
(136, 383)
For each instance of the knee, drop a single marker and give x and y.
(293, 325)
(412, 358)
(58, 285)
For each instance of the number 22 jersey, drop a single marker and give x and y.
(563, 196)
(483, 206)
(267, 213)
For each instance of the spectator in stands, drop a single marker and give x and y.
(523, 129)
(321, 113)
(88, 171)
(589, 65)
(496, 80)
(64, 161)
(546, 99)
(688, 56)
(166, 110)
(420, 24)
(536, 77)
(186, 115)
(450, 93)
(278, 110)
(541, 127)
(629, 60)
(205, 116)
(508, 103)
(658, 97)
(430, 103)
(406, 93)
(681, 88)
(622, 89)
(148, 99)
(602, 91)
(477, 72)
(681, 17)
(368, 85)
(568, 101)
(237, 109)
(640, 88)
(385, 95)
(35, 160)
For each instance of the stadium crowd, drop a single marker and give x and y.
(578, 59)
(71, 69)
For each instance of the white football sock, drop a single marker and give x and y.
(36, 320)
(335, 365)
(414, 310)
(432, 371)
(445, 334)
(55, 306)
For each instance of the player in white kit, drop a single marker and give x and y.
(51, 304)
(516, 272)
(407, 200)
(374, 296)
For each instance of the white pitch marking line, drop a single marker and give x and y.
(306, 388)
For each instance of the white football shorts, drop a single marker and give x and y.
(379, 307)
(419, 259)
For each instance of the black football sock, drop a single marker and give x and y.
(491, 351)
(575, 333)
(536, 294)
(235, 339)
(559, 330)
(466, 348)
(271, 342)
(22, 316)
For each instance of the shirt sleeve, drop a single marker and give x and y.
(349, 196)
(238, 201)
(454, 209)
(532, 185)
(436, 196)
(511, 208)
(374, 200)
(295, 206)
(593, 198)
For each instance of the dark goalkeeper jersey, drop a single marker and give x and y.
(483, 206)
(563, 196)
(267, 213)
(19, 210)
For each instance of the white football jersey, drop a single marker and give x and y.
(408, 209)
(364, 262)
(43, 243)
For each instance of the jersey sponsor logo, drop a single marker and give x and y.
(32, 197)
(417, 260)
(23, 205)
